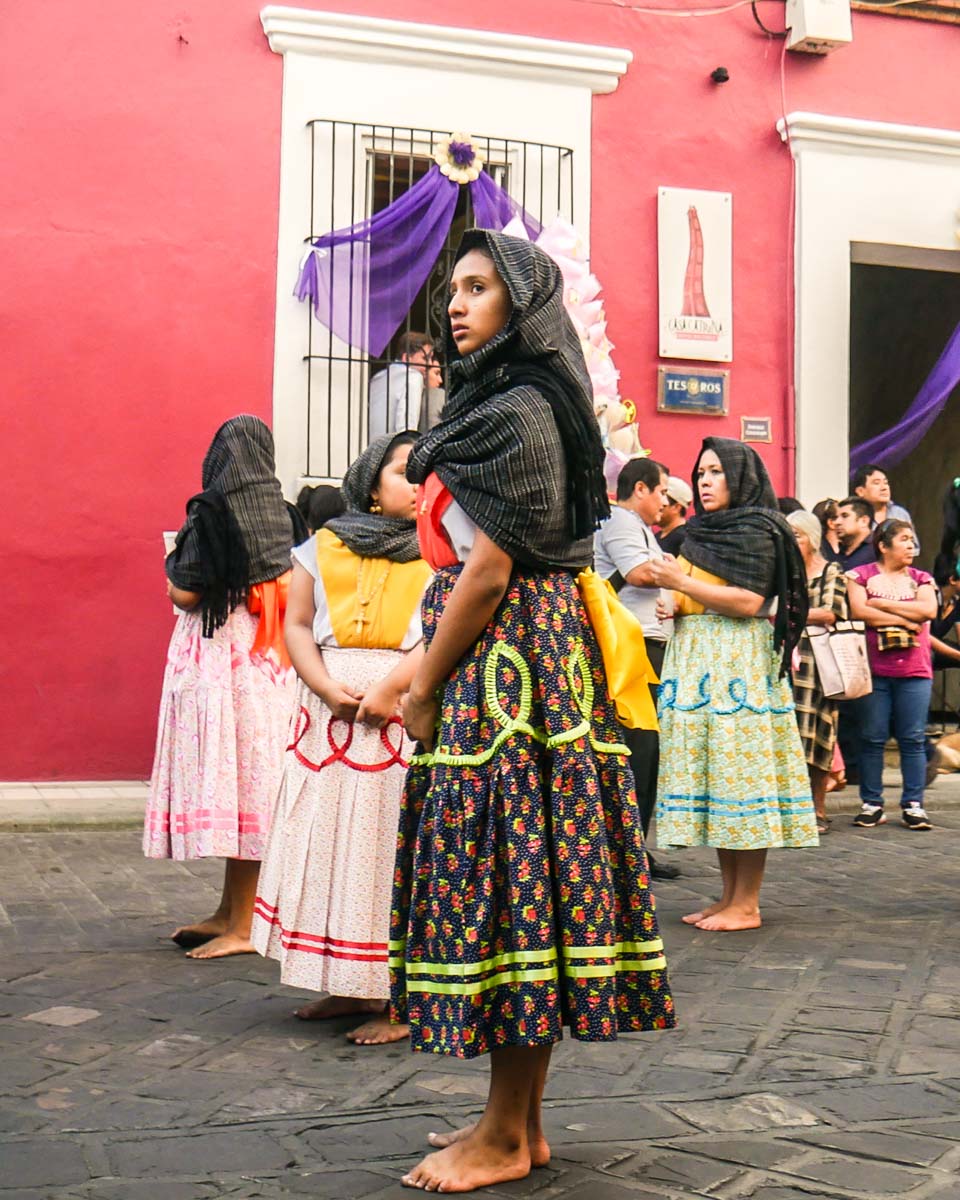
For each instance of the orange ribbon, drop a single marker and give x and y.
(269, 601)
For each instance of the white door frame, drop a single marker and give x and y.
(856, 181)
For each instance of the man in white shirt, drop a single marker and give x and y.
(397, 392)
(623, 547)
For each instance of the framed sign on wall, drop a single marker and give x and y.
(695, 260)
(702, 390)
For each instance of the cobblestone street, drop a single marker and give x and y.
(818, 1056)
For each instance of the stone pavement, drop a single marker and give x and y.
(816, 1057)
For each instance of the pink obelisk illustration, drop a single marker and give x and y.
(694, 301)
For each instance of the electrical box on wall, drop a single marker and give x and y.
(818, 26)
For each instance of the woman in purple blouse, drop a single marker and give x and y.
(897, 602)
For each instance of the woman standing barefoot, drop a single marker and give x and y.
(522, 897)
(732, 771)
(228, 688)
(354, 634)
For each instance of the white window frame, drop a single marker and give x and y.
(856, 181)
(367, 69)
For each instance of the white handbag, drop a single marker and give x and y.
(840, 655)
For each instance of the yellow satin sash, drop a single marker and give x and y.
(625, 663)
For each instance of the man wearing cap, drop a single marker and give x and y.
(623, 548)
(677, 499)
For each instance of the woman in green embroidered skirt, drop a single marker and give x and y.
(732, 770)
(521, 901)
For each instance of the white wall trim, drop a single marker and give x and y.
(377, 40)
(893, 186)
(851, 135)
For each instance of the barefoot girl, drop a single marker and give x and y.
(522, 897)
(353, 623)
(228, 688)
(732, 772)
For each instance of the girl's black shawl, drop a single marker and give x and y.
(518, 445)
(749, 544)
(372, 535)
(238, 531)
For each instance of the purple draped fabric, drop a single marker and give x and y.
(895, 443)
(493, 208)
(363, 279)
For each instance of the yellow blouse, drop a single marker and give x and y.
(370, 600)
(684, 605)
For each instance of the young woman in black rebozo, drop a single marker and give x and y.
(228, 688)
(522, 900)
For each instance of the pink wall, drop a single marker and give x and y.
(138, 248)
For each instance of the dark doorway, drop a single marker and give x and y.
(900, 320)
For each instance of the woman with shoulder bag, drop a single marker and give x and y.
(897, 603)
(816, 713)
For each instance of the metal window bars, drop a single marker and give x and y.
(356, 170)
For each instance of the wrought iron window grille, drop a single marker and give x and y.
(357, 169)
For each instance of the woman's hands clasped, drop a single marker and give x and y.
(343, 701)
(379, 704)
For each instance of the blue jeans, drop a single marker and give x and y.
(902, 703)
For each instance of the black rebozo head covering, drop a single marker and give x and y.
(750, 544)
(372, 535)
(518, 444)
(238, 531)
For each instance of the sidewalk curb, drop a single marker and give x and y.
(45, 812)
(71, 824)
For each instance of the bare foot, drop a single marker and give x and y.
(190, 936)
(731, 920)
(336, 1006)
(473, 1162)
(696, 917)
(223, 946)
(378, 1032)
(539, 1147)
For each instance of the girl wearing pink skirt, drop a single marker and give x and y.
(228, 688)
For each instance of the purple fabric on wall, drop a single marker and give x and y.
(362, 280)
(895, 443)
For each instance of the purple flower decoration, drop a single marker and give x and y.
(458, 158)
(462, 153)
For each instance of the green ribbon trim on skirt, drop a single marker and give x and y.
(521, 722)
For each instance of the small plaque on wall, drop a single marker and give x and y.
(701, 390)
(755, 429)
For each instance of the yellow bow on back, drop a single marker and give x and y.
(625, 663)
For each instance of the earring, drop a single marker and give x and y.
(376, 509)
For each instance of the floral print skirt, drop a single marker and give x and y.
(222, 731)
(521, 899)
(732, 769)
